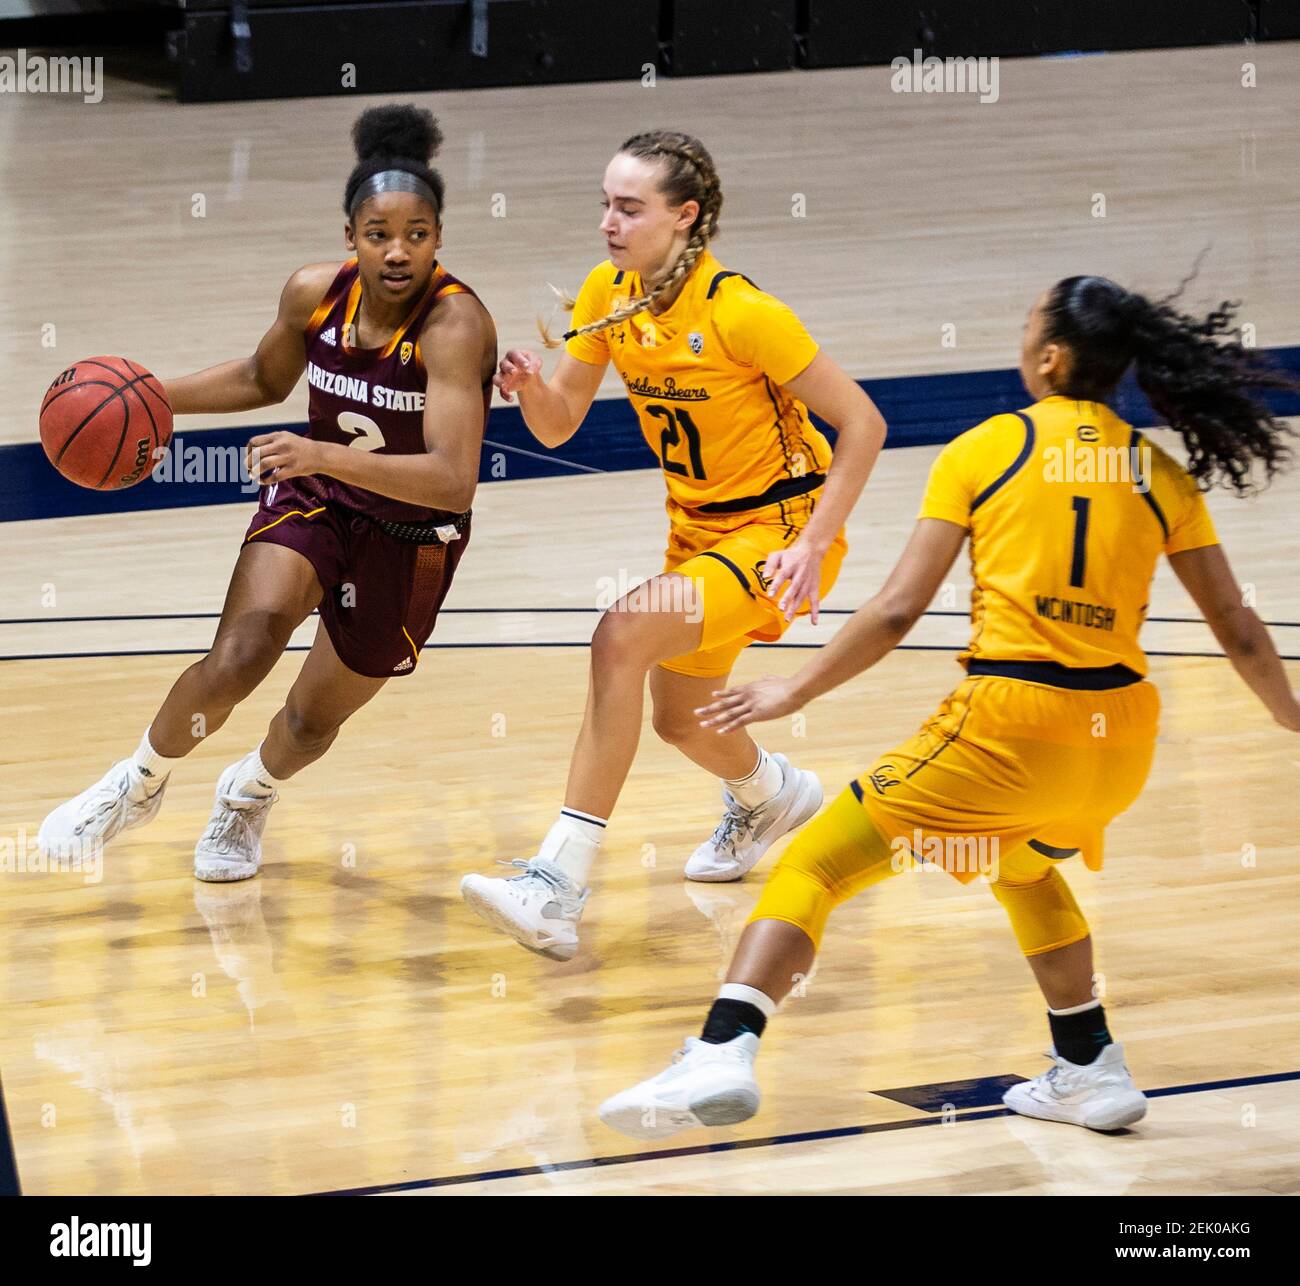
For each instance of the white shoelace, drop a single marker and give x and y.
(735, 821)
(109, 795)
(234, 831)
(558, 888)
(531, 872)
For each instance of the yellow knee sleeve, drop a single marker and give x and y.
(835, 856)
(1043, 913)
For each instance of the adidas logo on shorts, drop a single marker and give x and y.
(405, 665)
(328, 337)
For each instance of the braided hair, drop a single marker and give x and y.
(1205, 390)
(395, 137)
(687, 174)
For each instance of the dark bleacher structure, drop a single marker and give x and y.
(223, 50)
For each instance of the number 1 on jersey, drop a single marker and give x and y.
(1080, 556)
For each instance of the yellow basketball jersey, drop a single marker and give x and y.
(1068, 509)
(705, 379)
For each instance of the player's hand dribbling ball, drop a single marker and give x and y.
(103, 421)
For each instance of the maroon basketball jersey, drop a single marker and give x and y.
(370, 399)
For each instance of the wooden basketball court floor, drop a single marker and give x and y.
(342, 1023)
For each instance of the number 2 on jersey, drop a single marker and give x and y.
(1079, 557)
(675, 418)
(370, 437)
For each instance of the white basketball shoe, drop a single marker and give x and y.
(230, 847)
(705, 1085)
(120, 799)
(1099, 1095)
(540, 909)
(745, 834)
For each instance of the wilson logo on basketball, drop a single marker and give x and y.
(141, 459)
(67, 376)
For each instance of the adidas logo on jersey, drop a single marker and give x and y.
(404, 665)
(328, 337)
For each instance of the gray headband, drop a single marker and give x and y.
(392, 181)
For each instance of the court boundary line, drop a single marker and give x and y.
(524, 611)
(953, 649)
(775, 1140)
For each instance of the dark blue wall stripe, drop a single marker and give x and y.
(920, 409)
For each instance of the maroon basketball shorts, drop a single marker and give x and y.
(382, 593)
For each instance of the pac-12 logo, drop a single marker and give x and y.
(405, 351)
(696, 341)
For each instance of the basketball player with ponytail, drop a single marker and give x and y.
(1051, 733)
(366, 517)
(721, 376)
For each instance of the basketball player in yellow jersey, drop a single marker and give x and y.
(1051, 734)
(721, 376)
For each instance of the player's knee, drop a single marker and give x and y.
(622, 639)
(1043, 912)
(238, 662)
(798, 895)
(308, 728)
(675, 726)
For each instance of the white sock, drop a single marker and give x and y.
(252, 780)
(750, 995)
(1076, 1009)
(152, 766)
(573, 842)
(761, 785)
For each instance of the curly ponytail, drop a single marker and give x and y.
(1206, 390)
(688, 175)
(395, 137)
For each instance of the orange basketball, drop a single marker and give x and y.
(103, 420)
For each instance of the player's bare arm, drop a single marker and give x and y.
(1208, 578)
(269, 375)
(870, 634)
(825, 389)
(553, 409)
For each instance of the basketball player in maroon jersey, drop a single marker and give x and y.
(366, 517)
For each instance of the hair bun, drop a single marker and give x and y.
(399, 132)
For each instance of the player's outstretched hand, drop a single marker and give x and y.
(766, 698)
(518, 366)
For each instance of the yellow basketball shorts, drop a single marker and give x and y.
(842, 852)
(1008, 762)
(723, 555)
(1004, 780)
